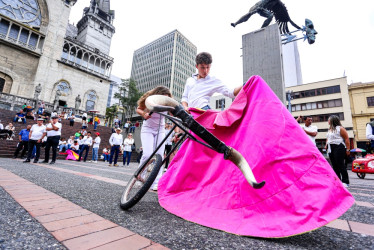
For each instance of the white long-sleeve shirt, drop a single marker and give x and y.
(116, 139)
(369, 132)
(197, 92)
(97, 142)
(87, 140)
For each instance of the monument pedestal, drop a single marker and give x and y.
(262, 55)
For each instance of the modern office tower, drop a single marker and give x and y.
(167, 61)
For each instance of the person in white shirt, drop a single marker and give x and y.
(53, 138)
(201, 86)
(115, 142)
(1, 126)
(75, 147)
(70, 141)
(127, 149)
(310, 130)
(95, 148)
(370, 134)
(153, 129)
(36, 136)
(63, 144)
(87, 142)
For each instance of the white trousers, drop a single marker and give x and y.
(150, 139)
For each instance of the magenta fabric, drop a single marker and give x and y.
(302, 192)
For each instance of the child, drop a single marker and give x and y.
(153, 129)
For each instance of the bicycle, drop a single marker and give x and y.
(144, 176)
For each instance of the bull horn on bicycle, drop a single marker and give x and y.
(236, 158)
(160, 103)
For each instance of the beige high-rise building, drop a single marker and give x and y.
(320, 100)
(362, 104)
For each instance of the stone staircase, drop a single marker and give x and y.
(8, 147)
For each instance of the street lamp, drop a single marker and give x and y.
(289, 98)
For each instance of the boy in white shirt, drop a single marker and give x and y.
(95, 148)
(201, 86)
(86, 143)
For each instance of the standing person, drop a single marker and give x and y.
(127, 126)
(338, 146)
(153, 129)
(1, 126)
(95, 147)
(115, 142)
(370, 136)
(96, 122)
(310, 130)
(84, 124)
(23, 143)
(201, 86)
(53, 138)
(37, 133)
(71, 119)
(87, 142)
(168, 143)
(127, 150)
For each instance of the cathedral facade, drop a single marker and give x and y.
(44, 57)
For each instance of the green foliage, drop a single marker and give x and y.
(110, 113)
(128, 95)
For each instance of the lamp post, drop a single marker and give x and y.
(289, 98)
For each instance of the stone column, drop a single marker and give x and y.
(262, 55)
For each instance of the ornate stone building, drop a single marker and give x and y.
(39, 46)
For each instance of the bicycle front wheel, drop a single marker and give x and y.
(139, 184)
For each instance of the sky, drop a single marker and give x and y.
(344, 44)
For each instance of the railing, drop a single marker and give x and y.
(34, 40)
(15, 103)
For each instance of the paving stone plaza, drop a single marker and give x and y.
(73, 205)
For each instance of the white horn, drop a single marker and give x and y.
(158, 102)
(236, 158)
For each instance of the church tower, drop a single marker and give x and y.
(96, 28)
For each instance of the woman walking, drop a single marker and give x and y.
(153, 129)
(127, 150)
(338, 147)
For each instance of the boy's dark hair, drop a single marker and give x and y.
(204, 58)
(306, 117)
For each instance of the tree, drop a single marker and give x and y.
(128, 96)
(110, 113)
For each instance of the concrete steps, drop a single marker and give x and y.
(8, 147)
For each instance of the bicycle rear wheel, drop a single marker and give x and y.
(140, 183)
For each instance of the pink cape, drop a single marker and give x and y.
(72, 155)
(302, 192)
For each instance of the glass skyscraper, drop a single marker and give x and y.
(167, 61)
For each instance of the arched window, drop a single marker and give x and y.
(64, 87)
(27, 12)
(91, 99)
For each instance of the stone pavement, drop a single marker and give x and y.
(75, 205)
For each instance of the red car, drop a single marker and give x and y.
(363, 166)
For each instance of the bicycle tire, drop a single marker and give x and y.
(132, 193)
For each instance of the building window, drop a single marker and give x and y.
(318, 105)
(2, 84)
(26, 12)
(316, 92)
(220, 104)
(370, 101)
(64, 87)
(91, 99)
